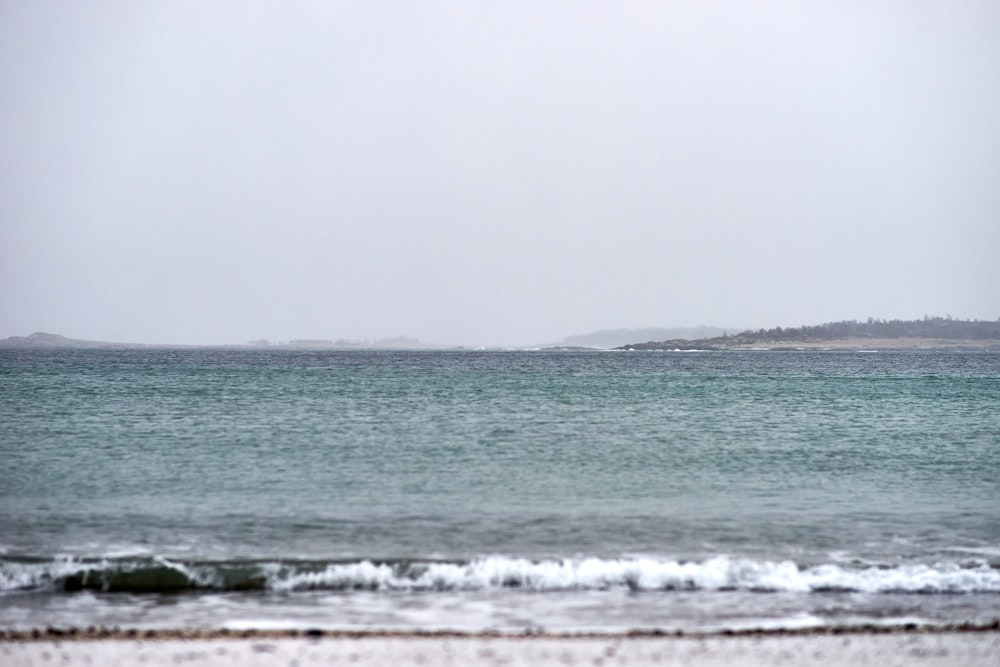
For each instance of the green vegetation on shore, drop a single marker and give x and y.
(931, 328)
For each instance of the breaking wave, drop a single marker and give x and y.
(161, 575)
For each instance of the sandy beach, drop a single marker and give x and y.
(259, 649)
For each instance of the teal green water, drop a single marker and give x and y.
(787, 479)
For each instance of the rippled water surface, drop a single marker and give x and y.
(498, 489)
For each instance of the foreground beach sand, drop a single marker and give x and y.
(858, 649)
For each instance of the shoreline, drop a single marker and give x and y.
(92, 633)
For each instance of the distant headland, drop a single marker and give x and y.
(40, 339)
(928, 333)
(872, 334)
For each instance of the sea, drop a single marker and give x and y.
(498, 491)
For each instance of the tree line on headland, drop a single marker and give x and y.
(937, 328)
(929, 327)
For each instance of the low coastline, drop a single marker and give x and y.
(854, 343)
(880, 344)
(930, 333)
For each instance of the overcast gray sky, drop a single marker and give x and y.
(493, 172)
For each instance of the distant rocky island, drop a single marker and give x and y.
(40, 339)
(398, 343)
(928, 333)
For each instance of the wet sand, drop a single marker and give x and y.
(976, 646)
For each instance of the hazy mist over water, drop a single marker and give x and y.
(493, 173)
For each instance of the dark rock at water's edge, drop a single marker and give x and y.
(117, 633)
(613, 338)
(681, 344)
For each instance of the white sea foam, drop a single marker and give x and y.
(17, 575)
(645, 574)
(498, 572)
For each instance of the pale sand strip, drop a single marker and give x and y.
(881, 650)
